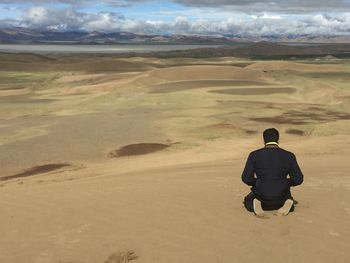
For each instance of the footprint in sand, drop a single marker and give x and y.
(333, 233)
(75, 241)
(346, 207)
(82, 228)
(44, 257)
(305, 220)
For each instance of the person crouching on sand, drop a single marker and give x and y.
(271, 171)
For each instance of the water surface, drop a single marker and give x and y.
(118, 48)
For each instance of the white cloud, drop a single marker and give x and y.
(266, 16)
(37, 15)
(243, 5)
(272, 5)
(229, 23)
(69, 19)
(73, 2)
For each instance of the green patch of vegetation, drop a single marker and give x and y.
(211, 137)
(24, 57)
(321, 61)
(10, 77)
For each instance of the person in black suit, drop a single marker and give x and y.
(271, 171)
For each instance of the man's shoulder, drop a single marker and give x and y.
(264, 149)
(288, 152)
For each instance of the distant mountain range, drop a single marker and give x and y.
(19, 35)
(23, 35)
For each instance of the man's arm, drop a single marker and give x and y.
(296, 176)
(248, 172)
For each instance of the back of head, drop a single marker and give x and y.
(271, 135)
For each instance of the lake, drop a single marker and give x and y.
(118, 48)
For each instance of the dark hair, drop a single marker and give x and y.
(271, 135)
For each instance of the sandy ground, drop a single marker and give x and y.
(67, 196)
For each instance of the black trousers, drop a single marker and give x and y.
(266, 205)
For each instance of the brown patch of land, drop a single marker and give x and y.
(11, 88)
(296, 132)
(251, 132)
(305, 117)
(36, 170)
(191, 73)
(138, 149)
(288, 66)
(195, 84)
(254, 91)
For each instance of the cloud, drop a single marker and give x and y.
(268, 5)
(72, 2)
(241, 5)
(69, 19)
(231, 23)
(264, 25)
(266, 16)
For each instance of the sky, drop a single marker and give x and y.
(205, 17)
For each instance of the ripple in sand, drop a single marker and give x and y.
(36, 170)
(138, 149)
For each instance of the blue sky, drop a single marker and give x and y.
(251, 17)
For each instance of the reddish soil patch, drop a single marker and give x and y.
(295, 132)
(36, 170)
(254, 91)
(138, 149)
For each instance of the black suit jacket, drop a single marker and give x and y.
(267, 171)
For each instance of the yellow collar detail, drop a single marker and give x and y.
(271, 143)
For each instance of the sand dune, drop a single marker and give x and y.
(102, 166)
(199, 72)
(204, 83)
(182, 210)
(287, 65)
